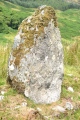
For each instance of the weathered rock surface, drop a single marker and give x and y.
(36, 61)
(59, 108)
(70, 89)
(69, 106)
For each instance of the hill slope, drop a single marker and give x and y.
(57, 4)
(69, 23)
(15, 106)
(11, 16)
(73, 1)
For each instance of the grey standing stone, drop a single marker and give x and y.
(36, 61)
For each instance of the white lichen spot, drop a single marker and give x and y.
(37, 28)
(17, 37)
(61, 68)
(37, 58)
(1, 97)
(52, 20)
(42, 12)
(27, 28)
(28, 21)
(11, 67)
(26, 49)
(35, 36)
(46, 58)
(40, 17)
(20, 31)
(53, 57)
(26, 93)
(27, 73)
(26, 81)
(34, 55)
(59, 45)
(38, 75)
(51, 42)
(32, 29)
(43, 6)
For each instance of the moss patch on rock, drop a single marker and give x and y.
(19, 86)
(32, 27)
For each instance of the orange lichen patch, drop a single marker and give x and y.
(32, 26)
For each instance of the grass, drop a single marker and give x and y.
(7, 39)
(69, 27)
(11, 16)
(69, 22)
(58, 4)
(71, 78)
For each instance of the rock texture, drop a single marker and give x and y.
(36, 61)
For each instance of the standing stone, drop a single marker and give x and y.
(36, 62)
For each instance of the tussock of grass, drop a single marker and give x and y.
(72, 53)
(4, 52)
(69, 23)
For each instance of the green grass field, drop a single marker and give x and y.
(69, 24)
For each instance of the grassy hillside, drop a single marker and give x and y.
(69, 23)
(57, 4)
(11, 16)
(74, 1)
(11, 106)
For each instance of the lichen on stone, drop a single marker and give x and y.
(36, 61)
(31, 26)
(19, 86)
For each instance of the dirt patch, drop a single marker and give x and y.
(15, 107)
